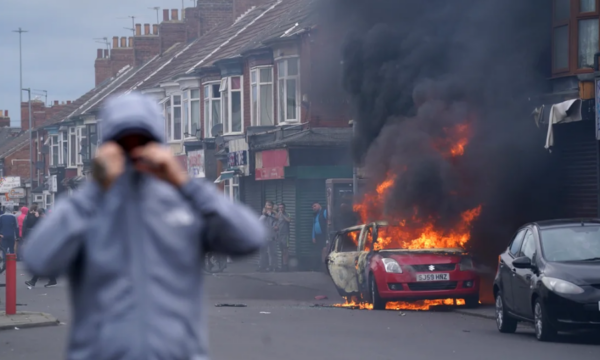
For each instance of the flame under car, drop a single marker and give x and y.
(386, 275)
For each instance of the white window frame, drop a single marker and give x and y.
(257, 82)
(187, 102)
(80, 136)
(171, 138)
(282, 78)
(226, 106)
(73, 146)
(55, 148)
(230, 185)
(209, 98)
(62, 143)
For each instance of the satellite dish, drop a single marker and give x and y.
(216, 130)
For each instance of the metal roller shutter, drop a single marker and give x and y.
(307, 193)
(252, 196)
(578, 151)
(289, 199)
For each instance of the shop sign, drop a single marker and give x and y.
(53, 183)
(17, 193)
(195, 164)
(238, 158)
(8, 183)
(274, 173)
(270, 164)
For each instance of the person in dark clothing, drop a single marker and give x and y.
(268, 252)
(319, 234)
(39, 214)
(9, 229)
(31, 220)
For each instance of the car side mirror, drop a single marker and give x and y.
(522, 262)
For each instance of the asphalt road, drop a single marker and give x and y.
(279, 323)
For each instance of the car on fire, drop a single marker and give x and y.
(395, 274)
(550, 276)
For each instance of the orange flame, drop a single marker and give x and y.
(421, 305)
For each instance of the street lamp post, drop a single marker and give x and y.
(20, 31)
(30, 150)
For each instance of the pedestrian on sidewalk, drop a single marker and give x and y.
(283, 235)
(51, 280)
(8, 230)
(132, 242)
(319, 235)
(268, 252)
(21, 222)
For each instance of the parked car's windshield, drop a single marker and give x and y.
(577, 243)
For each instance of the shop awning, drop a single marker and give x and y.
(225, 175)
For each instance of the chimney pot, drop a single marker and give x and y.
(138, 29)
(166, 15)
(6, 113)
(55, 102)
(68, 102)
(106, 55)
(130, 41)
(147, 29)
(174, 14)
(123, 42)
(115, 42)
(155, 29)
(99, 54)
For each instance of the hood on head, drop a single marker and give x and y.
(131, 114)
(24, 210)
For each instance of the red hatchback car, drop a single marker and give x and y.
(380, 276)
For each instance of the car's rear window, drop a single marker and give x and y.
(575, 243)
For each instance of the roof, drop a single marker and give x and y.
(326, 137)
(566, 222)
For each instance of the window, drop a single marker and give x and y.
(185, 113)
(73, 147)
(192, 114)
(176, 131)
(261, 82)
(232, 189)
(93, 134)
(528, 249)
(348, 242)
(369, 239)
(54, 150)
(168, 119)
(573, 243)
(212, 108)
(231, 93)
(516, 244)
(288, 71)
(64, 138)
(587, 6)
(588, 42)
(82, 144)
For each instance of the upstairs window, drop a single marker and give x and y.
(191, 113)
(288, 73)
(73, 147)
(231, 94)
(261, 82)
(212, 108)
(54, 150)
(82, 144)
(64, 154)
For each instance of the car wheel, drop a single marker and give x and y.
(472, 302)
(543, 328)
(504, 322)
(377, 301)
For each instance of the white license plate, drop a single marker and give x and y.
(433, 277)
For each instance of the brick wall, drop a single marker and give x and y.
(17, 164)
(40, 113)
(192, 24)
(121, 57)
(171, 33)
(213, 13)
(102, 70)
(145, 47)
(4, 118)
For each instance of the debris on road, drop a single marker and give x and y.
(401, 313)
(321, 297)
(231, 305)
(16, 328)
(265, 312)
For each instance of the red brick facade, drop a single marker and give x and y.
(213, 13)
(4, 118)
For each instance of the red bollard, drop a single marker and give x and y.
(11, 284)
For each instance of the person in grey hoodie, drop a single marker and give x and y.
(135, 273)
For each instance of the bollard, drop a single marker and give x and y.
(11, 284)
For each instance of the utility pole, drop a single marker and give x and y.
(156, 8)
(20, 31)
(30, 150)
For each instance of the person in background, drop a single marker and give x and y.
(9, 230)
(31, 220)
(267, 252)
(52, 280)
(319, 235)
(283, 235)
(21, 222)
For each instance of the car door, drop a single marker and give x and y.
(506, 268)
(522, 285)
(342, 261)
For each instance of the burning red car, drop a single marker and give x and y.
(381, 275)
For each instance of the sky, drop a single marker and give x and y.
(59, 48)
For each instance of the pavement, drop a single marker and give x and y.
(279, 321)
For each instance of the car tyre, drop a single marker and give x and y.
(505, 323)
(377, 301)
(544, 331)
(472, 302)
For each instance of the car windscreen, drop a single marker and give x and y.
(574, 243)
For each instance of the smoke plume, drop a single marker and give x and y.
(417, 72)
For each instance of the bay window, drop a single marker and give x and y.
(191, 112)
(261, 84)
(93, 138)
(168, 119)
(82, 144)
(54, 150)
(288, 72)
(175, 111)
(212, 108)
(64, 139)
(73, 147)
(231, 93)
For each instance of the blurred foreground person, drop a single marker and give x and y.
(132, 243)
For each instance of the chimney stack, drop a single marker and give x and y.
(155, 29)
(106, 53)
(99, 54)
(115, 42)
(130, 41)
(68, 102)
(55, 102)
(165, 15)
(147, 29)
(123, 42)
(174, 14)
(138, 29)
(5, 113)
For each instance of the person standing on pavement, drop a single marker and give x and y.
(132, 242)
(51, 280)
(319, 234)
(21, 222)
(268, 252)
(8, 230)
(31, 220)
(283, 235)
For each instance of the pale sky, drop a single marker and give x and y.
(59, 48)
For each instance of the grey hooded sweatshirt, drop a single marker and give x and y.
(133, 254)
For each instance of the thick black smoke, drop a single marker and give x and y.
(415, 70)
